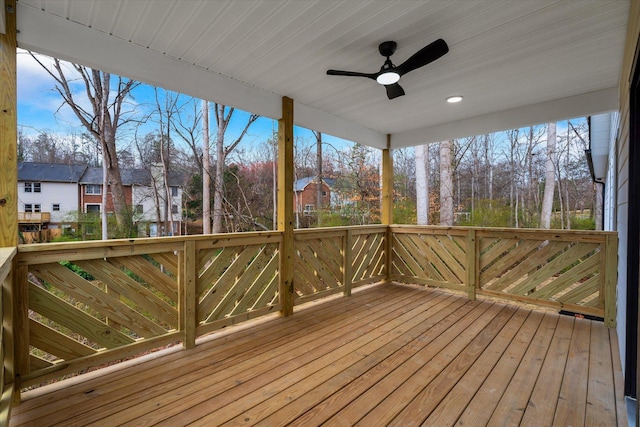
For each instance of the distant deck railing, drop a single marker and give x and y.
(85, 304)
(34, 217)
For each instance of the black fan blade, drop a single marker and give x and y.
(394, 90)
(352, 73)
(424, 56)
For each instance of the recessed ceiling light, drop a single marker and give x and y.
(453, 99)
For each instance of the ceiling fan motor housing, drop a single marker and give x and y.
(387, 48)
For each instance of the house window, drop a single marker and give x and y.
(174, 191)
(324, 194)
(92, 189)
(32, 187)
(139, 209)
(28, 207)
(36, 208)
(308, 207)
(174, 209)
(55, 207)
(92, 208)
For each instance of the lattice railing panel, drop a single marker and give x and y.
(368, 257)
(563, 271)
(84, 307)
(234, 280)
(317, 264)
(430, 258)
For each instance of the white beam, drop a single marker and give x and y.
(558, 109)
(324, 122)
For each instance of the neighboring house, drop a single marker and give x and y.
(145, 193)
(47, 194)
(150, 202)
(306, 194)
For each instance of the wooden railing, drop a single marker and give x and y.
(34, 217)
(330, 260)
(92, 303)
(6, 336)
(85, 304)
(570, 270)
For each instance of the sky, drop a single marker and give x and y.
(40, 109)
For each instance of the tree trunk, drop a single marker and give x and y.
(206, 169)
(446, 184)
(121, 209)
(599, 208)
(218, 184)
(549, 178)
(318, 136)
(422, 184)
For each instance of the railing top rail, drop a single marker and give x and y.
(339, 229)
(528, 233)
(6, 256)
(168, 241)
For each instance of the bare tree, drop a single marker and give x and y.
(223, 118)
(446, 183)
(422, 184)
(102, 121)
(319, 178)
(549, 177)
(206, 168)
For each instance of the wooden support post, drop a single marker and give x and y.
(8, 131)
(8, 345)
(9, 188)
(609, 268)
(347, 262)
(20, 325)
(285, 205)
(386, 207)
(187, 276)
(472, 262)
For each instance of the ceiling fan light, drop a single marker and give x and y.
(388, 78)
(454, 99)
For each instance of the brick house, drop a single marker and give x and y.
(306, 190)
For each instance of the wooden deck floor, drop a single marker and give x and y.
(388, 355)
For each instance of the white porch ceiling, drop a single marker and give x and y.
(515, 62)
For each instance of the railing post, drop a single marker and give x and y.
(8, 350)
(285, 205)
(472, 257)
(610, 273)
(20, 326)
(386, 208)
(347, 263)
(187, 276)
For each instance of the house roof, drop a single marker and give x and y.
(48, 172)
(130, 177)
(516, 63)
(301, 183)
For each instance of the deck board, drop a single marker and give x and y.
(388, 355)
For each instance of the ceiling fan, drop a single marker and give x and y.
(389, 74)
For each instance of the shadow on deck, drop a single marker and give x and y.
(390, 354)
